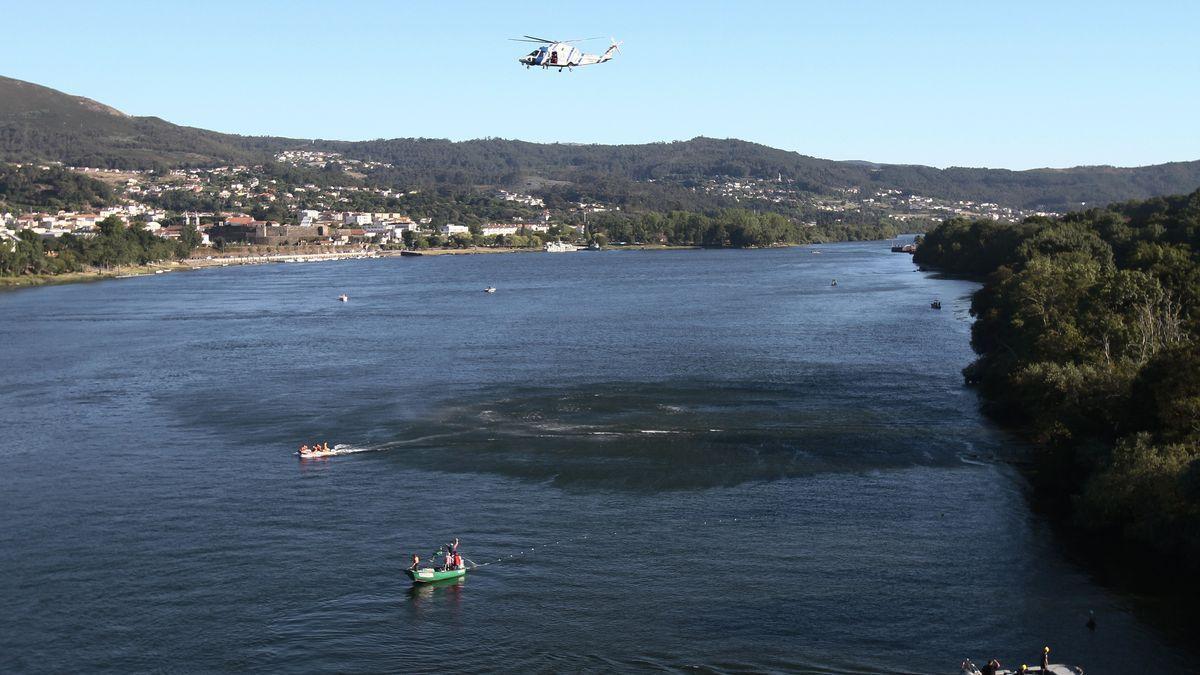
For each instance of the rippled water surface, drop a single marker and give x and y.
(679, 460)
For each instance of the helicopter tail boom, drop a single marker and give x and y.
(590, 59)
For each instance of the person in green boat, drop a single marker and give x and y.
(416, 560)
(452, 560)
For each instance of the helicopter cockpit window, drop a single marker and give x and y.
(535, 52)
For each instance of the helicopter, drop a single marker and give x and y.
(561, 54)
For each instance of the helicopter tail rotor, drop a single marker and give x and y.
(614, 46)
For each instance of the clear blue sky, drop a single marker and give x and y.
(965, 83)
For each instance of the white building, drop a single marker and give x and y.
(451, 228)
(356, 219)
(309, 217)
(528, 200)
(492, 229)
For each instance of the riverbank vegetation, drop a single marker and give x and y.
(115, 245)
(1088, 335)
(733, 228)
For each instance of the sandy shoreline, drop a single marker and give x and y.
(125, 272)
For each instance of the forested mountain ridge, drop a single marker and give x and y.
(41, 124)
(502, 161)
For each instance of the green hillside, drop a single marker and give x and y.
(38, 123)
(30, 187)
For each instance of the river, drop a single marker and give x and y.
(680, 460)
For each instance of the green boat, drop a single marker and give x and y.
(428, 575)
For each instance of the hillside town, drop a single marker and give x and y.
(892, 203)
(221, 204)
(312, 227)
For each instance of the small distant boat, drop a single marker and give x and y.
(344, 298)
(936, 304)
(490, 289)
(833, 283)
(559, 247)
(428, 575)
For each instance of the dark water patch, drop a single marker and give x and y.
(625, 435)
(677, 435)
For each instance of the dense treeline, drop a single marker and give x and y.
(52, 188)
(113, 246)
(1088, 331)
(736, 228)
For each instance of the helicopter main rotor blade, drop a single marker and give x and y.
(540, 42)
(582, 39)
(538, 39)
